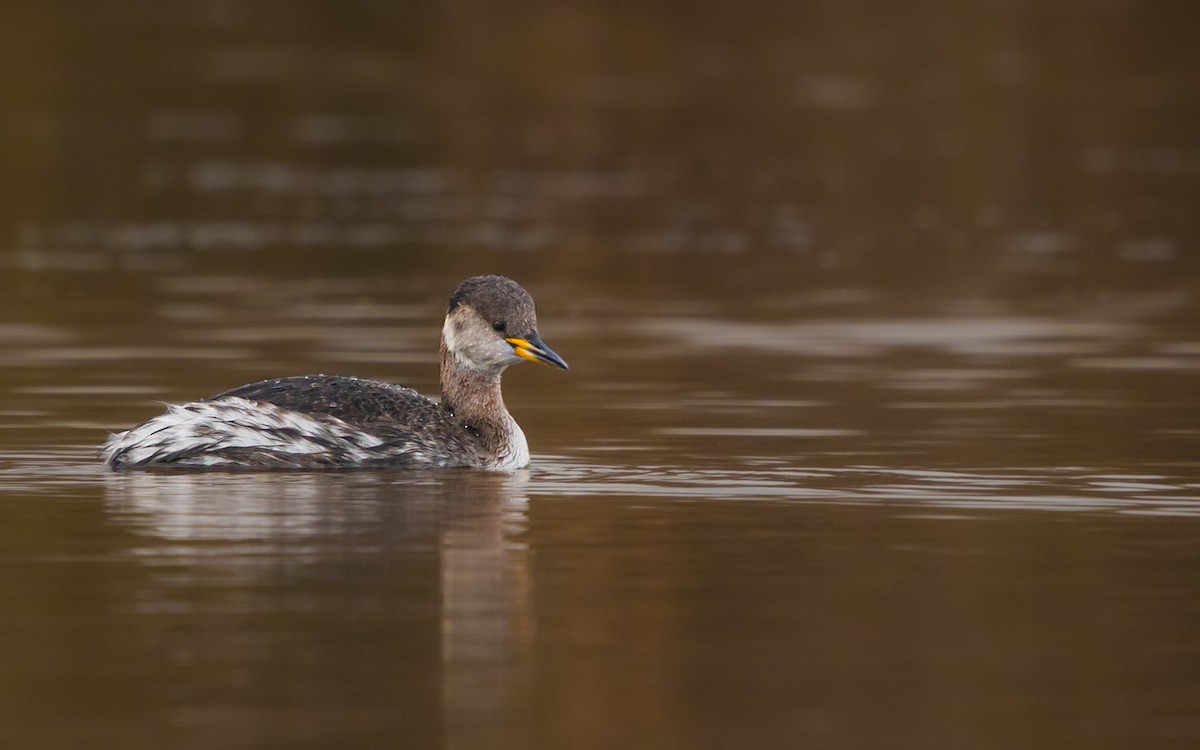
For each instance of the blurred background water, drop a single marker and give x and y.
(882, 422)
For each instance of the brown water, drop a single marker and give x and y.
(883, 419)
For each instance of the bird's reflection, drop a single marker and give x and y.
(454, 540)
(487, 622)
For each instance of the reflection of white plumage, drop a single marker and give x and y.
(319, 421)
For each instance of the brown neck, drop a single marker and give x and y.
(471, 395)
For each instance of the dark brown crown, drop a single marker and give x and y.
(498, 299)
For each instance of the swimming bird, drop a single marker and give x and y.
(319, 421)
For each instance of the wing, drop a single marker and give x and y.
(313, 421)
(362, 403)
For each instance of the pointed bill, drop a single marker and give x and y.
(535, 350)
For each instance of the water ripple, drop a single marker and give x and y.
(981, 490)
(250, 502)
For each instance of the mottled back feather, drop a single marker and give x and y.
(355, 401)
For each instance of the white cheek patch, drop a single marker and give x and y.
(456, 343)
(450, 335)
(473, 347)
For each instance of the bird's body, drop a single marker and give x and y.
(318, 421)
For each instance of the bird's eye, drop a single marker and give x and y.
(498, 325)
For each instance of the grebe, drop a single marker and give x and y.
(318, 421)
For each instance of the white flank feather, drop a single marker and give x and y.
(204, 426)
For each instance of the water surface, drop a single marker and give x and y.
(882, 419)
(975, 529)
